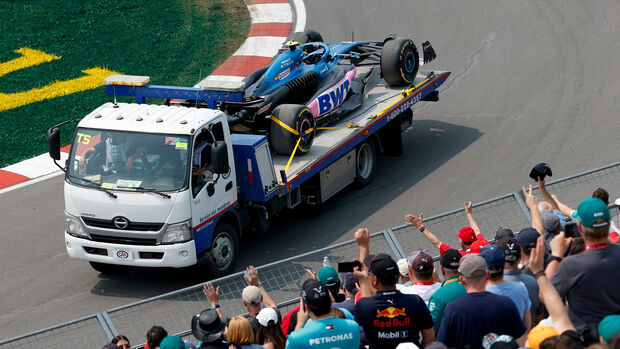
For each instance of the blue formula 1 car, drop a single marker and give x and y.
(309, 84)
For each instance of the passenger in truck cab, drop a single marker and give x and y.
(115, 153)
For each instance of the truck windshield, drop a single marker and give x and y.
(128, 161)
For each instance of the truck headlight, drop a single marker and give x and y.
(179, 232)
(74, 226)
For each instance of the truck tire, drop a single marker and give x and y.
(365, 163)
(104, 268)
(296, 117)
(224, 250)
(306, 36)
(399, 61)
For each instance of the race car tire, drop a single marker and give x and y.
(365, 163)
(306, 36)
(224, 251)
(287, 117)
(399, 61)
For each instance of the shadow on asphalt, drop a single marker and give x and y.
(427, 146)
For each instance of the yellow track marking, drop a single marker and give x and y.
(93, 79)
(29, 58)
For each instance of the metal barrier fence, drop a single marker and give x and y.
(282, 279)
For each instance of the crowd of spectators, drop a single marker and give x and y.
(541, 287)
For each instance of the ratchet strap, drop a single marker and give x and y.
(404, 93)
(286, 127)
(292, 154)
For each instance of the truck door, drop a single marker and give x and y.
(212, 194)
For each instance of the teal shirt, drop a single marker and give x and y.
(450, 290)
(326, 333)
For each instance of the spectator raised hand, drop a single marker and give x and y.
(362, 236)
(549, 295)
(418, 222)
(213, 295)
(531, 201)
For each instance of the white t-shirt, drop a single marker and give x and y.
(424, 291)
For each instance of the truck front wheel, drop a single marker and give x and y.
(224, 250)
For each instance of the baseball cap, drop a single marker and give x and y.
(467, 234)
(527, 237)
(538, 334)
(349, 281)
(315, 293)
(251, 295)
(542, 169)
(503, 231)
(450, 259)
(510, 246)
(472, 265)
(328, 276)
(384, 267)
(590, 211)
(266, 315)
(609, 326)
(420, 261)
(493, 255)
(497, 341)
(551, 222)
(403, 267)
(172, 342)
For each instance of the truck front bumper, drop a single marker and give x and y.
(175, 255)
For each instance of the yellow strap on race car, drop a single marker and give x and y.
(284, 126)
(292, 154)
(403, 94)
(349, 125)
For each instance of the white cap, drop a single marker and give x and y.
(403, 267)
(266, 315)
(251, 294)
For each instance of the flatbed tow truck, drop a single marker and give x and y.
(176, 218)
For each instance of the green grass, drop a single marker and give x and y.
(174, 42)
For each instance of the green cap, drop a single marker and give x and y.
(328, 276)
(609, 326)
(590, 211)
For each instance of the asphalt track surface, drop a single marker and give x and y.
(531, 81)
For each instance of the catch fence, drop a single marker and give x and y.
(282, 279)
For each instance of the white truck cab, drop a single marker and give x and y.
(141, 188)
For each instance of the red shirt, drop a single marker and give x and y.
(474, 248)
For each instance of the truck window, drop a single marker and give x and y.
(125, 160)
(201, 155)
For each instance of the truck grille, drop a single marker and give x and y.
(124, 240)
(136, 226)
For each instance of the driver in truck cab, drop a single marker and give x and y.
(116, 149)
(201, 161)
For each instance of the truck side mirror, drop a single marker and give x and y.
(53, 142)
(219, 157)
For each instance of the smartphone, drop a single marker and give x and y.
(347, 267)
(570, 230)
